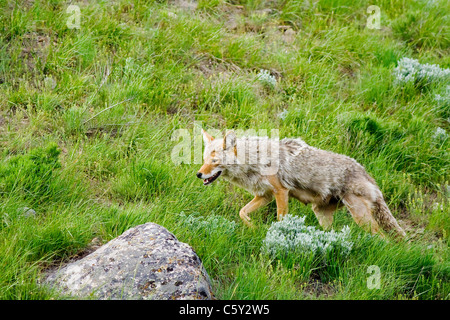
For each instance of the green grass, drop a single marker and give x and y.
(91, 173)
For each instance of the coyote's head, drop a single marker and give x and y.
(218, 155)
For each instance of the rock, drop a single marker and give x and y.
(145, 262)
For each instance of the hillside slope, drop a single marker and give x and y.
(91, 96)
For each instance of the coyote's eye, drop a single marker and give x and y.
(214, 161)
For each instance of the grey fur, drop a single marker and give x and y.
(311, 175)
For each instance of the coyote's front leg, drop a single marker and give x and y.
(281, 196)
(282, 199)
(253, 205)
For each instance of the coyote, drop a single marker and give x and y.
(325, 179)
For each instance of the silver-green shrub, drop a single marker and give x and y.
(440, 135)
(292, 236)
(411, 70)
(266, 78)
(212, 224)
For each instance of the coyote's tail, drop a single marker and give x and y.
(385, 219)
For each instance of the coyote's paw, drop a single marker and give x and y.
(246, 219)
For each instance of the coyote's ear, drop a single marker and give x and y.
(229, 141)
(207, 138)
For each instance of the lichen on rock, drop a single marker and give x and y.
(145, 262)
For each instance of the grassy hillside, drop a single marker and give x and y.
(87, 113)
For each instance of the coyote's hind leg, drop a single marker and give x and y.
(361, 211)
(324, 214)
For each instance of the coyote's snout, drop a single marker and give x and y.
(325, 179)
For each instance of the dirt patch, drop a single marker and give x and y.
(35, 49)
(415, 231)
(316, 288)
(187, 5)
(211, 66)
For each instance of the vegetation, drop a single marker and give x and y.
(87, 114)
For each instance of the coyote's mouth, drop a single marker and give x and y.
(211, 179)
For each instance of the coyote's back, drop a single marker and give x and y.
(326, 179)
